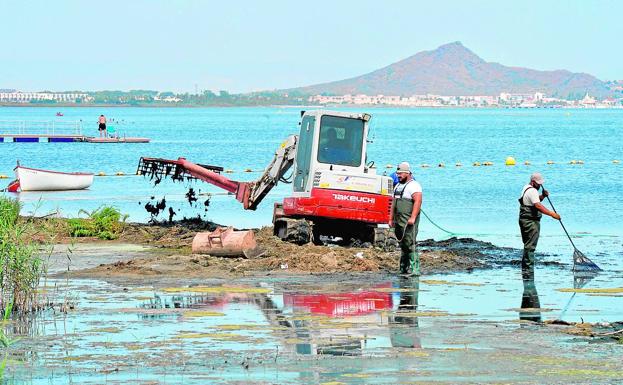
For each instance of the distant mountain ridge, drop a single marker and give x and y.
(454, 70)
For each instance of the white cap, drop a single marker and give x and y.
(537, 177)
(404, 167)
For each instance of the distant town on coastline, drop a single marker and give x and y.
(449, 76)
(148, 98)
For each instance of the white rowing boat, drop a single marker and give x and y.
(33, 179)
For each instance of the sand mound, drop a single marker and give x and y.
(174, 258)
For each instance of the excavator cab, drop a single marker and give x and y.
(329, 140)
(334, 191)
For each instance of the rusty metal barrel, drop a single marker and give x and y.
(224, 241)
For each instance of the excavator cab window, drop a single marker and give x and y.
(341, 141)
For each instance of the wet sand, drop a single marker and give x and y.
(164, 250)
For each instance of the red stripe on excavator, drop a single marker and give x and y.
(340, 204)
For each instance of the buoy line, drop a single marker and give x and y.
(509, 161)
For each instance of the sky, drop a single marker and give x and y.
(241, 46)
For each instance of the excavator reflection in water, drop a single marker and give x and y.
(336, 323)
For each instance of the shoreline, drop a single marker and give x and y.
(37, 105)
(290, 106)
(163, 251)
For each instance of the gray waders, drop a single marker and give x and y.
(409, 258)
(530, 226)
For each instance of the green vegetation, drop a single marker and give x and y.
(205, 98)
(21, 268)
(123, 97)
(105, 223)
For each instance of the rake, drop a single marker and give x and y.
(580, 261)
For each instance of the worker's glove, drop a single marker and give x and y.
(545, 193)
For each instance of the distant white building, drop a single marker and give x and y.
(167, 99)
(588, 101)
(26, 97)
(505, 99)
(515, 99)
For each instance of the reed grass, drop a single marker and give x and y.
(21, 267)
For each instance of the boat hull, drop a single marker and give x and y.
(31, 179)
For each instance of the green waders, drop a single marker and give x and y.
(409, 259)
(404, 331)
(530, 298)
(530, 226)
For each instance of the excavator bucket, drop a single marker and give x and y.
(180, 170)
(250, 194)
(157, 169)
(225, 241)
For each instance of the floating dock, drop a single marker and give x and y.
(54, 132)
(35, 138)
(46, 138)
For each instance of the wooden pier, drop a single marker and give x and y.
(54, 132)
(45, 138)
(37, 138)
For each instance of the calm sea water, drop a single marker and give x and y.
(476, 201)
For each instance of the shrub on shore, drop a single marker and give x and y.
(105, 223)
(21, 267)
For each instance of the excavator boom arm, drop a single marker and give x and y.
(250, 194)
(276, 170)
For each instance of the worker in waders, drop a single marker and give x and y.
(530, 211)
(406, 218)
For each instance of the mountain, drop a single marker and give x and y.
(452, 69)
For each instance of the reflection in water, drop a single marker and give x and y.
(340, 304)
(404, 328)
(360, 306)
(292, 325)
(580, 279)
(530, 297)
(189, 301)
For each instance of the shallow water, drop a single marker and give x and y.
(369, 328)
